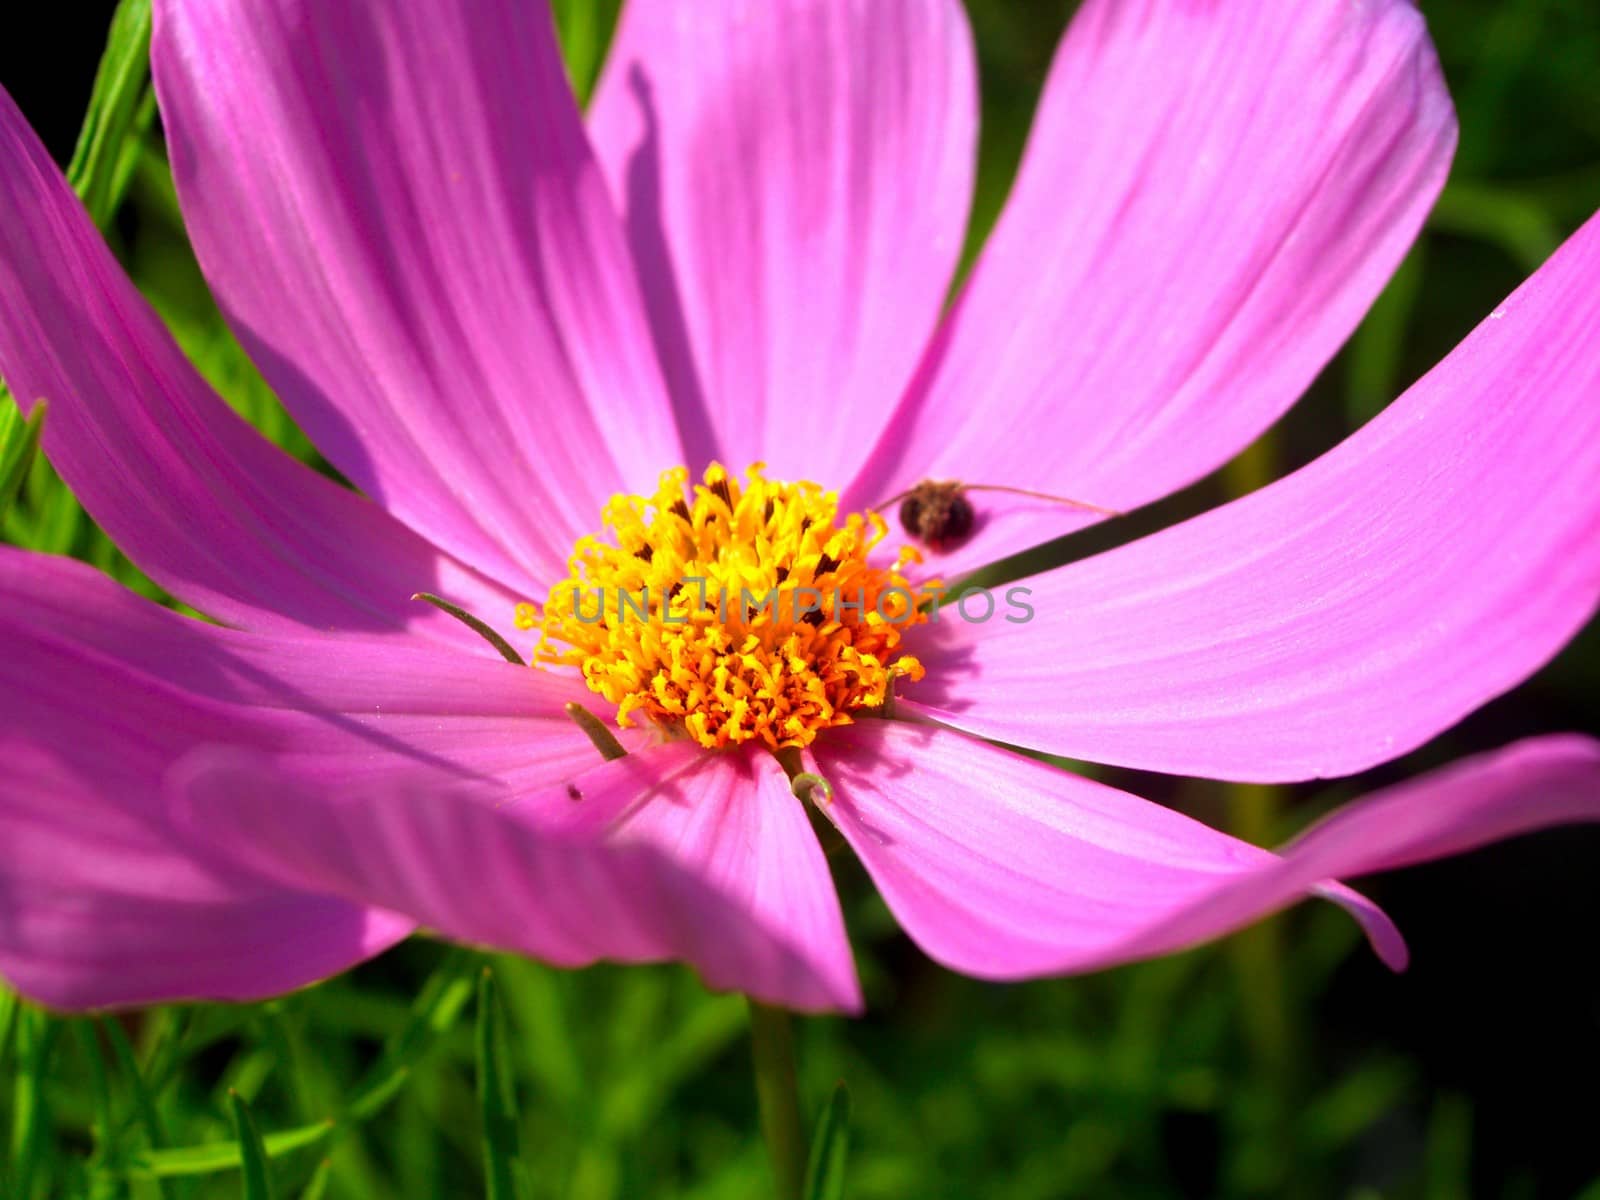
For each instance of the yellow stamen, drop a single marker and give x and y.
(745, 612)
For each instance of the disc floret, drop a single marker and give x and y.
(733, 612)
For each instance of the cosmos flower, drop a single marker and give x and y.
(549, 350)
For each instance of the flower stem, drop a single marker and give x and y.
(778, 1093)
(1259, 952)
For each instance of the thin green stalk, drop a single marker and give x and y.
(9, 1007)
(144, 1101)
(252, 1151)
(103, 1166)
(1253, 816)
(317, 1188)
(1258, 953)
(36, 1035)
(778, 1094)
(119, 112)
(496, 1096)
(830, 1149)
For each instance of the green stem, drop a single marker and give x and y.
(1253, 816)
(778, 1093)
(1259, 952)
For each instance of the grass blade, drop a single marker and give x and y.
(213, 1157)
(496, 1095)
(144, 1101)
(119, 111)
(830, 1148)
(103, 1166)
(585, 27)
(19, 444)
(440, 1003)
(8, 1018)
(1501, 216)
(252, 1153)
(438, 1006)
(36, 1035)
(318, 1186)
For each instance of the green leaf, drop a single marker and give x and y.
(1376, 353)
(1449, 1150)
(120, 110)
(9, 1004)
(639, 1094)
(55, 518)
(144, 1103)
(1503, 216)
(585, 28)
(318, 1186)
(36, 1035)
(538, 1017)
(99, 1090)
(436, 1010)
(830, 1147)
(167, 1037)
(19, 445)
(224, 1156)
(496, 1095)
(1354, 1103)
(253, 1154)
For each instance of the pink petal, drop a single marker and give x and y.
(1212, 196)
(1347, 613)
(99, 912)
(349, 702)
(670, 853)
(399, 212)
(205, 506)
(1002, 867)
(795, 178)
(104, 697)
(359, 769)
(99, 904)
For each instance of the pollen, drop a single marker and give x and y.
(733, 612)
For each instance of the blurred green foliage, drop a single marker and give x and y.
(1282, 1063)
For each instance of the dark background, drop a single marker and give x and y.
(1286, 1061)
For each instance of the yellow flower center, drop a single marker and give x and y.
(740, 612)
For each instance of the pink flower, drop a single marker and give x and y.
(492, 314)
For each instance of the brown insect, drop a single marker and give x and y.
(938, 513)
